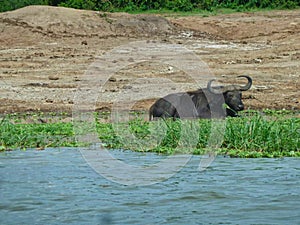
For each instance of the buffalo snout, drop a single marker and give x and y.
(241, 107)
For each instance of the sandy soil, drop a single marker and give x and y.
(45, 53)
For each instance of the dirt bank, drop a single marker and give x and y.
(45, 52)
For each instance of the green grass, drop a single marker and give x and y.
(255, 134)
(251, 136)
(16, 133)
(262, 137)
(199, 12)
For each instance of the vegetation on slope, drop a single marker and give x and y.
(160, 5)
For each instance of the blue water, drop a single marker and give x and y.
(56, 186)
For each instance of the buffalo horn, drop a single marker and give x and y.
(248, 85)
(219, 90)
(223, 89)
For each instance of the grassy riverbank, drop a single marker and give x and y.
(21, 131)
(271, 134)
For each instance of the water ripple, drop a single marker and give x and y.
(56, 186)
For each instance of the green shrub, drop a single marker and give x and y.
(143, 5)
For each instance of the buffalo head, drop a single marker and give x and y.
(232, 93)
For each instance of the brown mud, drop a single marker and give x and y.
(46, 51)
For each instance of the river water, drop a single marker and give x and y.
(57, 186)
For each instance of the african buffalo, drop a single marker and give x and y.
(210, 102)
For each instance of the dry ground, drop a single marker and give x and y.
(46, 51)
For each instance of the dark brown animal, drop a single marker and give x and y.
(210, 102)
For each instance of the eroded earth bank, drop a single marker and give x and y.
(47, 55)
